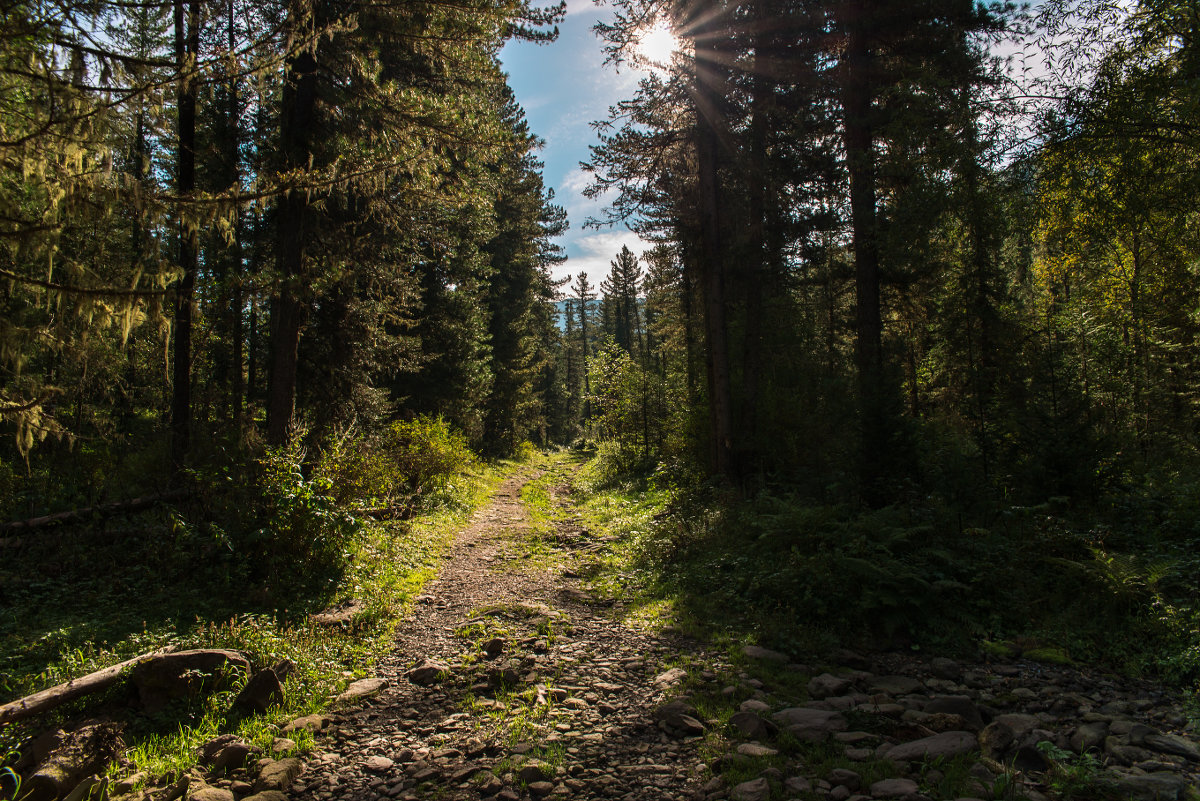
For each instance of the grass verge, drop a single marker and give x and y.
(159, 583)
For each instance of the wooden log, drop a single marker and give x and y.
(102, 510)
(52, 697)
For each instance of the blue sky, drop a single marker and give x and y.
(563, 87)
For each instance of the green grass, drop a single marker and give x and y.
(162, 584)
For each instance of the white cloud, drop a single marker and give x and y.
(595, 251)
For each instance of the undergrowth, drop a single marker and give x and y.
(774, 568)
(201, 578)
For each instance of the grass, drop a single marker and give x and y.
(162, 584)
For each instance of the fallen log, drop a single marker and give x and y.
(48, 699)
(101, 510)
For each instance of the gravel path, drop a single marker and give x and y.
(561, 703)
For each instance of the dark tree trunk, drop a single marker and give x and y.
(187, 46)
(857, 98)
(298, 117)
(709, 71)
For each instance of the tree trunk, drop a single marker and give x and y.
(709, 82)
(858, 136)
(187, 47)
(298, 118)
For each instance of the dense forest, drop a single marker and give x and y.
(913, 357)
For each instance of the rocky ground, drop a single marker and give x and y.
(511, 682)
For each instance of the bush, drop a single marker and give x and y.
(410, 457)
(426, 451)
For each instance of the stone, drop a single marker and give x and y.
(129, 783)
(764, 654)
(363, 688)
(427, 673)
(827, 685)
(183, 675)
(810, 724)
(206, 793)
(535, 771)
(233, 756)
(541, 789)
(895, 685)
(1089, 736)
(756, 750)
(277, 774)
(753, 790)
(75, 756)
(845, 777)
(894, 788)
(494, 647)
(753, 726)
(307, 723)
(959, 705)
(1160, 786)
(267, 795)
(670, 677)
(263, 691)
(378, 764)
(210, 749)
(1172, 744)
(797, 785)
(754, 705)
(945, 745)
(944, 668)
(93, 787)
(281, 745)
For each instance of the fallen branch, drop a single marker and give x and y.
(53, 697)
(102, 510)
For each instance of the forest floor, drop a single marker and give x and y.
(512, 680)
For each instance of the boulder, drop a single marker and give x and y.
(753, 727)
(363, 688)
(307, 723)
(233, 756)
(756, 750)
(1172, 744)
(278, 774)
(83, 752)
(1160, 786)
(670, 677)
(944, 668)
(1088, 736)
(945, 745)
(764, 654)
(845, 777)
(895, 685)
(753, 790)
(184, 675)
(263, 691)
(959, 705)
(894, 788)
(827, 685)
(535, 771)
(93, 788)
(207, 793)
(428, 672)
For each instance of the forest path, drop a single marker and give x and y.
(535, 688)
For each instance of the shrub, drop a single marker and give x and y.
(426, 451)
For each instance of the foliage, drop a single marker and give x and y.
(164, 581)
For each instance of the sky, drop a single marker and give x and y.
(564, 87)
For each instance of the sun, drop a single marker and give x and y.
(656, 45)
